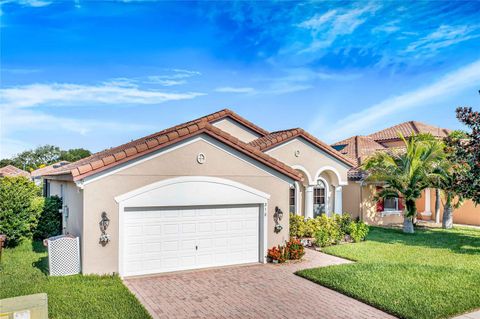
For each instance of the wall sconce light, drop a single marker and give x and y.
(104, 223)
(277, 217)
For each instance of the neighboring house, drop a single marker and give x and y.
(38, 173)
(209, 192)
(359, 195)
(11, 170)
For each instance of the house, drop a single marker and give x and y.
(389, 211)
(11, 171)
(214, 191)
(37, 174)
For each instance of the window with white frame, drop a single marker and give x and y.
(292, 199)
(319, 199)
(390, 204)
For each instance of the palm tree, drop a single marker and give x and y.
(406, 172)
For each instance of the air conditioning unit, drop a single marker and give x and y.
(64, 255)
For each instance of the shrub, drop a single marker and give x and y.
(50, 221)
(328, 231)
(278, 253)
(20, 207)
(344, 222)
(297, 226)
(358, 231)
(295, 249)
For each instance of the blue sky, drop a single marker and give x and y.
(96, 74)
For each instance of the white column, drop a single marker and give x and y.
(427, 201)
(297, 199)
(309, 201)
(338, 200)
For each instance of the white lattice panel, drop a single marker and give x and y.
(64, 255)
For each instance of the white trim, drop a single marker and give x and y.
(297, 197)
(334, 170)
(304, 170)
(391, 212)
(327, 194)
(187, 179)
(203, 137)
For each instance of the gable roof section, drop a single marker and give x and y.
(358, 148)
(110, 158)
(407, 129)
(45, 170)
(276, 138)
(12, 171)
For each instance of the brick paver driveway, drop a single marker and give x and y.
(254, 291)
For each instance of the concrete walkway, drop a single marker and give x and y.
(254, 291)
(471, 315)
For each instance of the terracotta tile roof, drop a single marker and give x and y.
(45, 170)
(358, 148)
(273, 139)
(11, 171)
(126, 152)
(407, 129)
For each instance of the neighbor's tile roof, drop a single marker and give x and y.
(358, 148)
(407, 129)
(275, 138)
(11, 171)
(47, 169)
(123, 153)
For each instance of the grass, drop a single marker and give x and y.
(430, 274)
(23, 271)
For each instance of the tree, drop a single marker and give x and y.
(448, 174)
(467, 151)
(50, 220)
(43, 156)
(406, 172)
(74, 154)
(20, 206)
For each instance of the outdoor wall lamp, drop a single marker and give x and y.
(277, 217)
(104, 222)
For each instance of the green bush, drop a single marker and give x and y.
(327, 232)
(297, 226)
(344, 222)
(50, 221)
(20, 207)
(358, 231)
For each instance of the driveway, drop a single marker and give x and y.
(252, 291)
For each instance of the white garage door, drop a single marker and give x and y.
(162, 240)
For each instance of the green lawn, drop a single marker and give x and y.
(430, 274)
(23, 271)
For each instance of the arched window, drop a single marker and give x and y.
(319, 199)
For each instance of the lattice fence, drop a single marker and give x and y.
(64, 255)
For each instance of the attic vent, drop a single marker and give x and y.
(63, 255)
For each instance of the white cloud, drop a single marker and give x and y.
(69, 94)
(29, 3)
(230, 89)
(10, 147)
(326, 28)
(451, 83)
(444, 36)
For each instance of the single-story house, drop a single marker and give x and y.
(211, 192)
(37, 174)
(361, 193)
(12, 171)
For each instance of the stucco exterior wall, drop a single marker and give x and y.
(99, 194)
(236, 129)
(366, 208)
(467, 214)
(73, 199)
(310, 157)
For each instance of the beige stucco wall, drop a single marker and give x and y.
(366, 208)
(467, 214)
(236, 129)
(73, 199)
(99, 195)
(310, 157)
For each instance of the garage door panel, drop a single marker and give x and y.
(179, 239)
